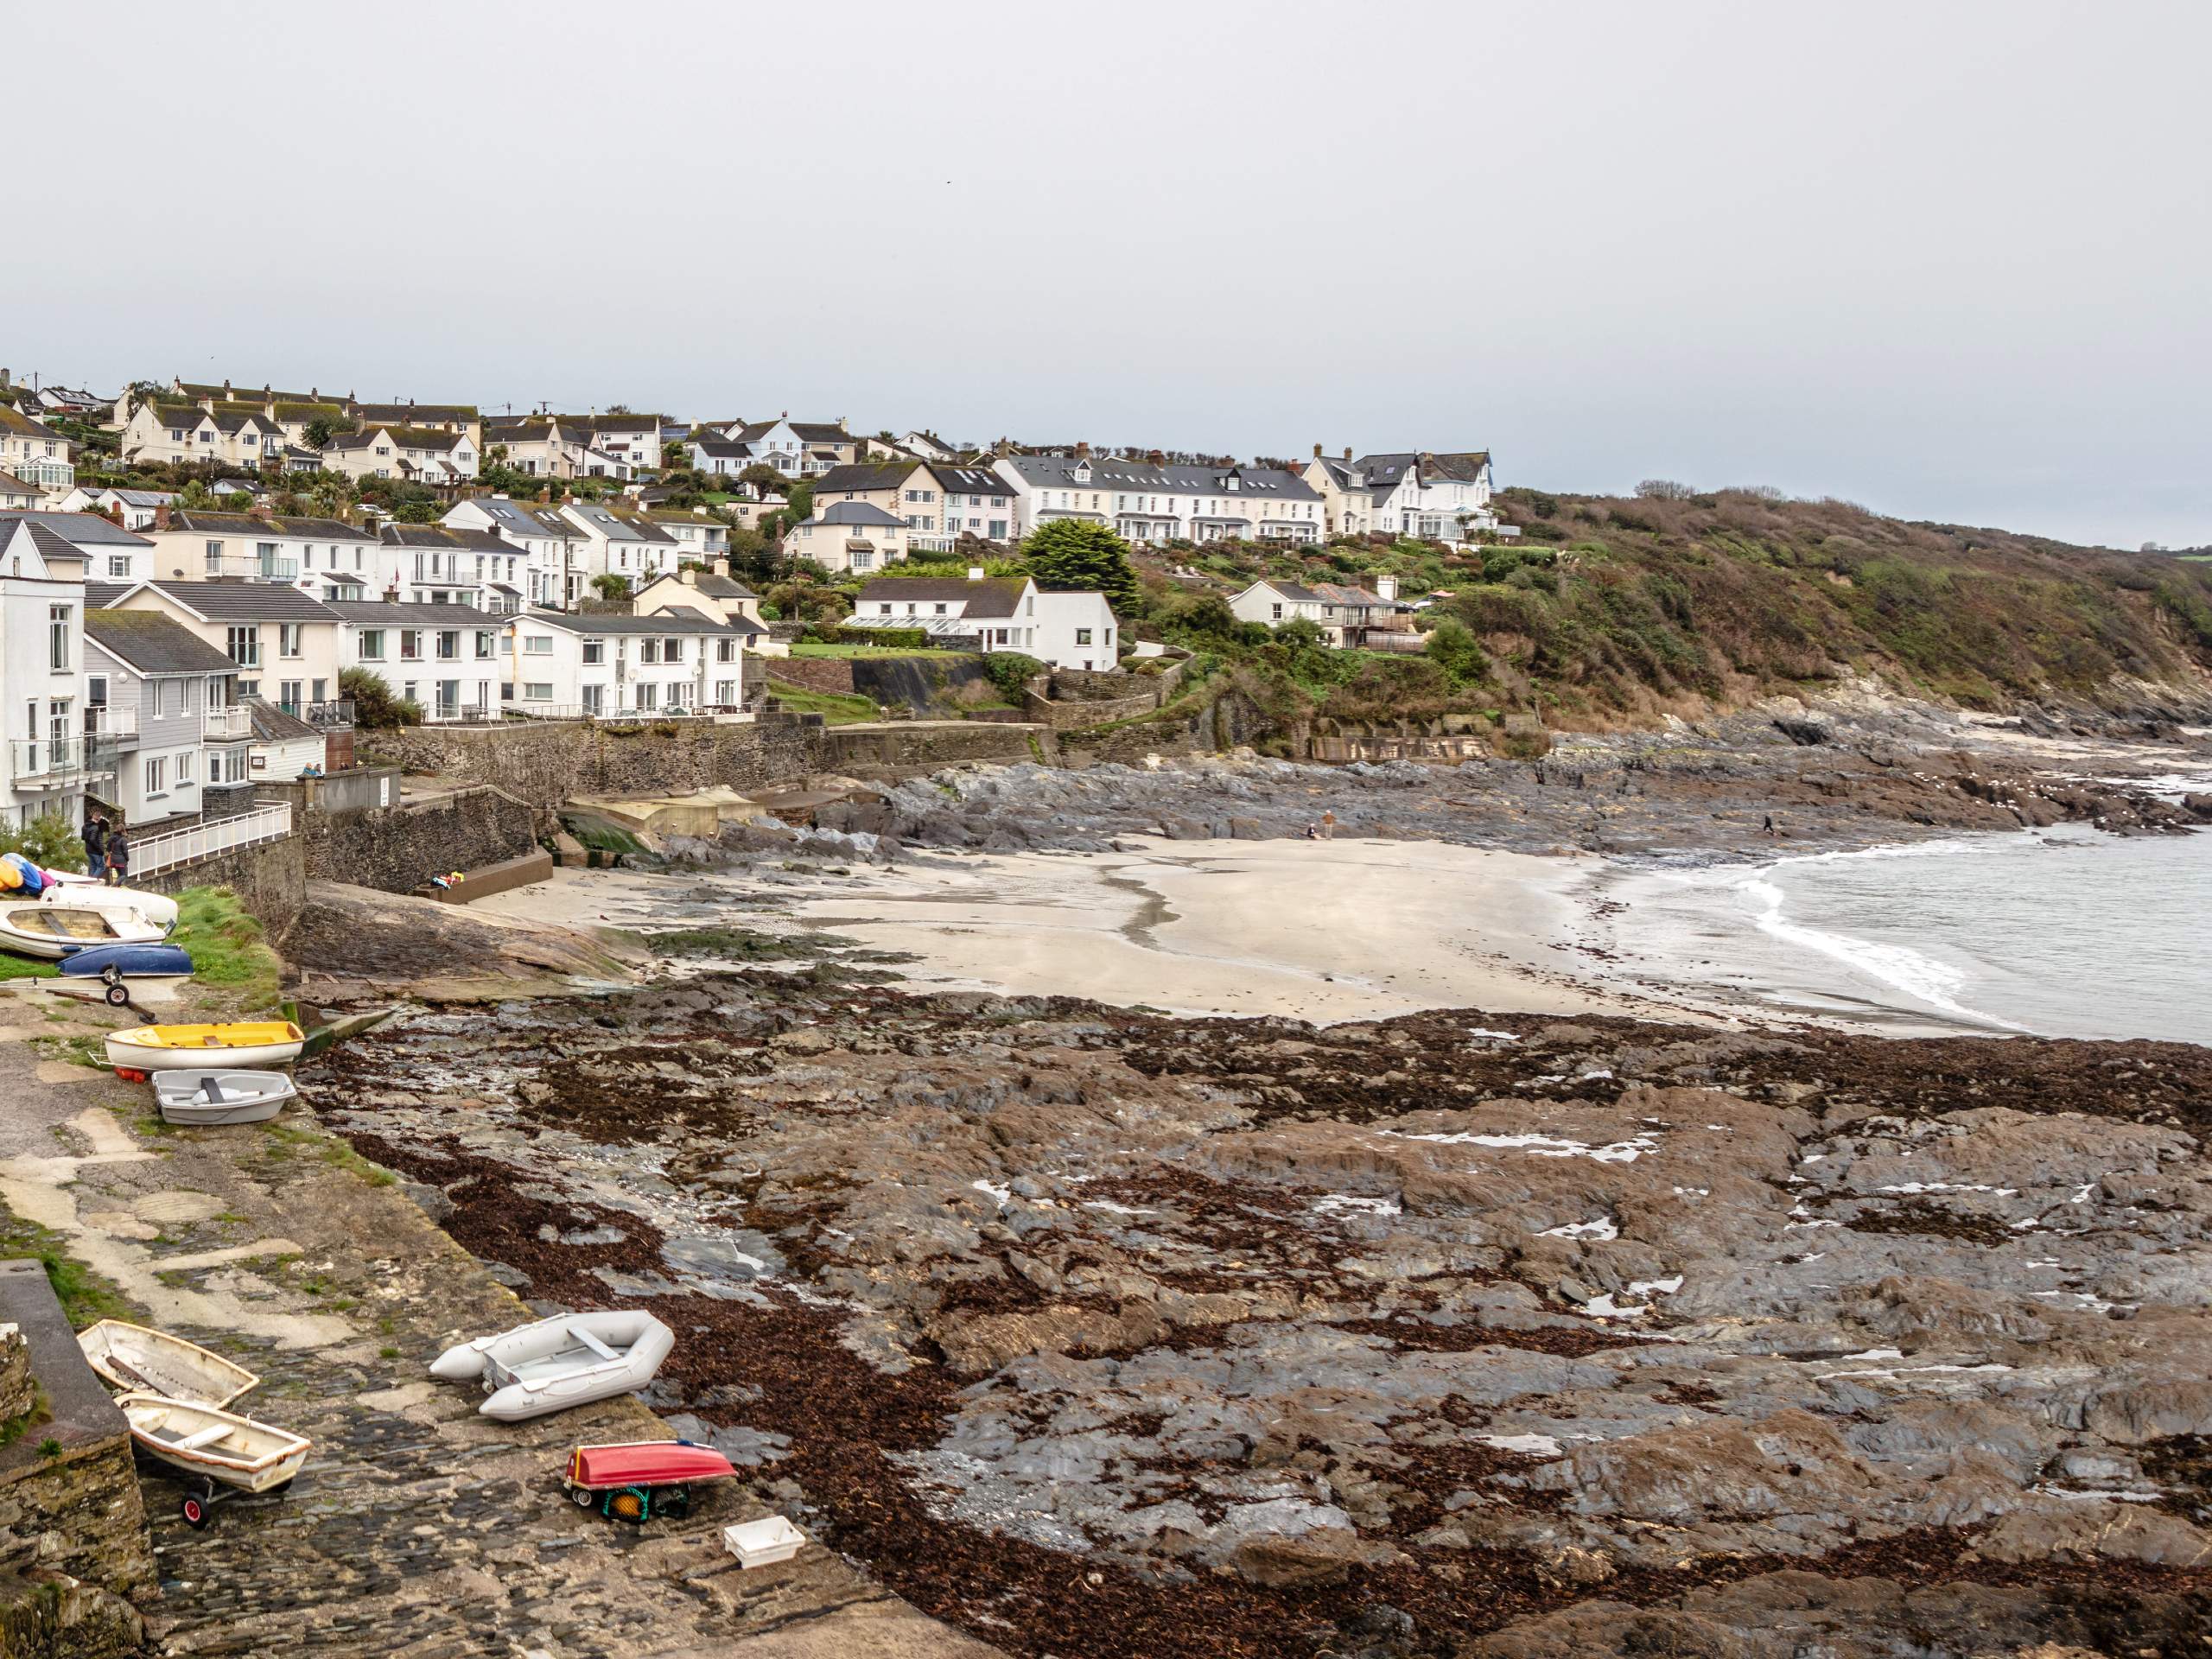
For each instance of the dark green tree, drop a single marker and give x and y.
(376, 706)
(1074, 556)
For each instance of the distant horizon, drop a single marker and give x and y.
(1941, 259)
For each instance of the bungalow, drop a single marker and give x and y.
(1149, 503)
(35, 453)
(849, 535)
(16, 496)
(46, 765)
(194, 544)
(981, 613)
(107, 552)
(419, 454)
(285, 644)
(549, 544)
(135, 507)
(164, 702)
(449, 658)
(1345, 615)
(1441, 498)
(600, 666)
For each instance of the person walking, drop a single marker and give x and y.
(118, 857)
(95, 837)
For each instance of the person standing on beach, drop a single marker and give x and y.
(1328, 826)
(95, 837)
(118, 858)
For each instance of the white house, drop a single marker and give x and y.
(35, 453)
(136, 507)
(232, 434)
(548, 542)
(709, 592)
(981, 613)
(445, 564)
(450, 659)
(564, 665)
(1150, 504)
(1076, 630)
(938, 502)
(284, 745)
(1439, 498)
(163, 702)
(699, 535)
(285, 644)
(109, 553)
(1346, 615)
(48, 765)
(795, 448)
(618, 544)
(193, 545)
(849, 535)
(16, 496)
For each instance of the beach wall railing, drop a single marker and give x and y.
(175, 848)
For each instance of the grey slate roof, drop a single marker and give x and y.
(857, 512)
(247, 601)
(967, 480)
(271, 724)
(1465, 466)
(617, 527)
(448, 537)
(154, 644)
(991, 596)
(1056, 472)
(52, 546)
(244, 524)
(866, 475)
(98, 594)
(370, 613)
(86, 529)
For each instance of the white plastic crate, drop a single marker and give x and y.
(763, 1542)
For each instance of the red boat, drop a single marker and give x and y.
(639, 1479)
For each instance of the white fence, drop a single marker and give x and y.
(175, 846)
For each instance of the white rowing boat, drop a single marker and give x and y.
(139, 1359)
(30, 929)
(571, 1359)
(205, 1097)
(210, 1444)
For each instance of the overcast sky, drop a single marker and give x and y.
(1949, 260)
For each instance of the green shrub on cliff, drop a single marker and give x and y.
(1010, 672)
(50, 841)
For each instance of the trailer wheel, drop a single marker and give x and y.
(195, 1509)
(118, 996)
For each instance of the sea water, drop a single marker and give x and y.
(2060, 932)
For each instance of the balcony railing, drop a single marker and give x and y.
(228, 723)
(335, 712)
(42, 764)
(930, 541)
(250, 568)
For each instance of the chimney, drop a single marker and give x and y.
(975, 573)
(1386, 587)
(258, 510)
(1347, 452)
(1083, 452)
(227, 391)
(687, 577)
(162, 516)
(267, 396)
(1317, 452)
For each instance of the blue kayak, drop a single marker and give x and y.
(130, 961)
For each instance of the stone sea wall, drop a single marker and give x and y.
(545, 764)
(270, 880)
(399, 848)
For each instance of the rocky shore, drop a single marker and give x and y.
(1098, 1333)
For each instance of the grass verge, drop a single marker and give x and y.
(227, 947)
(836, 708)
(85, 1296)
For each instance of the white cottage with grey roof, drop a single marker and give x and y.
(570, 667)
(548, 542)
(618, 544)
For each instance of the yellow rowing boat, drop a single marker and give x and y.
(233, 1046)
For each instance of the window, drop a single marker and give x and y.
(725, 650)
(158, 696)
(538, 644)
(1082, 636)
(118, 564)
(486, 642)
(245, 644)
(57, 636)
(157, 775)
(594, 651)
(726, 692)
(371, 644)
(410, 644)
(594, 697)
(648, 695)
(288, 639)
(448, 643)
(998, 530)
(649, 651)
(184, 768)
(938, 608)
(214, 557)
(672, 650)
(998, 501)
(885, 609)
(288, 695)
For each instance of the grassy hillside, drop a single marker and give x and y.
(1606, 606)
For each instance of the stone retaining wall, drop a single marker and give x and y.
(925, 744)
(546, 763)
(270, 880)
(399, 848)
(1074, 716)
(831, 674)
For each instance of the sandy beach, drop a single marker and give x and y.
(1319, 931)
